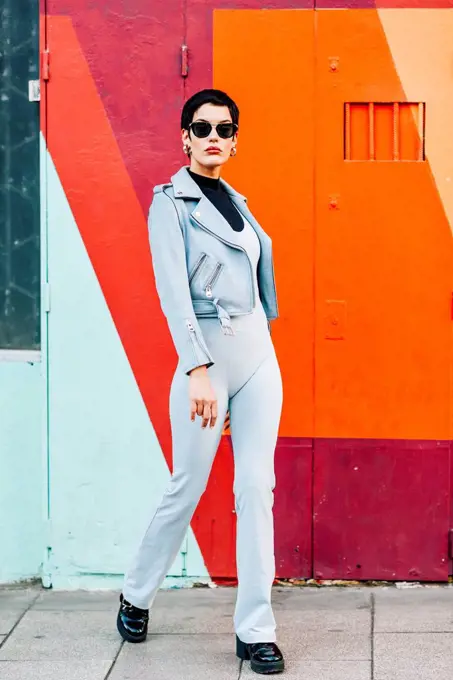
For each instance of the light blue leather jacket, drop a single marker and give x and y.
(200, 268)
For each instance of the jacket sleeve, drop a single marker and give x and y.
(172, 283)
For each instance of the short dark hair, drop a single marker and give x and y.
(216, 97)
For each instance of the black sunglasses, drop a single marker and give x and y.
(201, 128)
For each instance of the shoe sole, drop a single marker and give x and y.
(125, 633)
(268, 669)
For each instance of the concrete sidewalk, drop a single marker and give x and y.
(329, 633)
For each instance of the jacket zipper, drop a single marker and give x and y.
(197, 266)
(195, 341)
(212, 279)
(233, 245)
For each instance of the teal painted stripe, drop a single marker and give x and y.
(21, 511)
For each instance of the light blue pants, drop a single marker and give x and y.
(247, 381)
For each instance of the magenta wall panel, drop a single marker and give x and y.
(293, 507)
(370, 509)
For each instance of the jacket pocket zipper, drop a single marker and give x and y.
(212, 279)
(233, 245)
(197, 266)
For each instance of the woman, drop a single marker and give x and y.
(214, 276)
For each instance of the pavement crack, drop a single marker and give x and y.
(8, 635)
(109, 672)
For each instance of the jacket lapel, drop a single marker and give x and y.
(207, 215)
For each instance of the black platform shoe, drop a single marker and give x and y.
(132, 622)
(265, 657)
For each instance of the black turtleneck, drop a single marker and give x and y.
(214, 191)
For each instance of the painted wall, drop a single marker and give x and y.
(362, 240)
(22, 471)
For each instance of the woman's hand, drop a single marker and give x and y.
(202, 398)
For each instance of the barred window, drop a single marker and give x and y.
(384, 131)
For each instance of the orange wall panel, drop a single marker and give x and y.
(384, 251)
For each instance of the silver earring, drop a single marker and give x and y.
(233, 151)
(186, 148)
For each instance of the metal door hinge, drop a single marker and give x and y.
(45, 65)
(184, 61)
